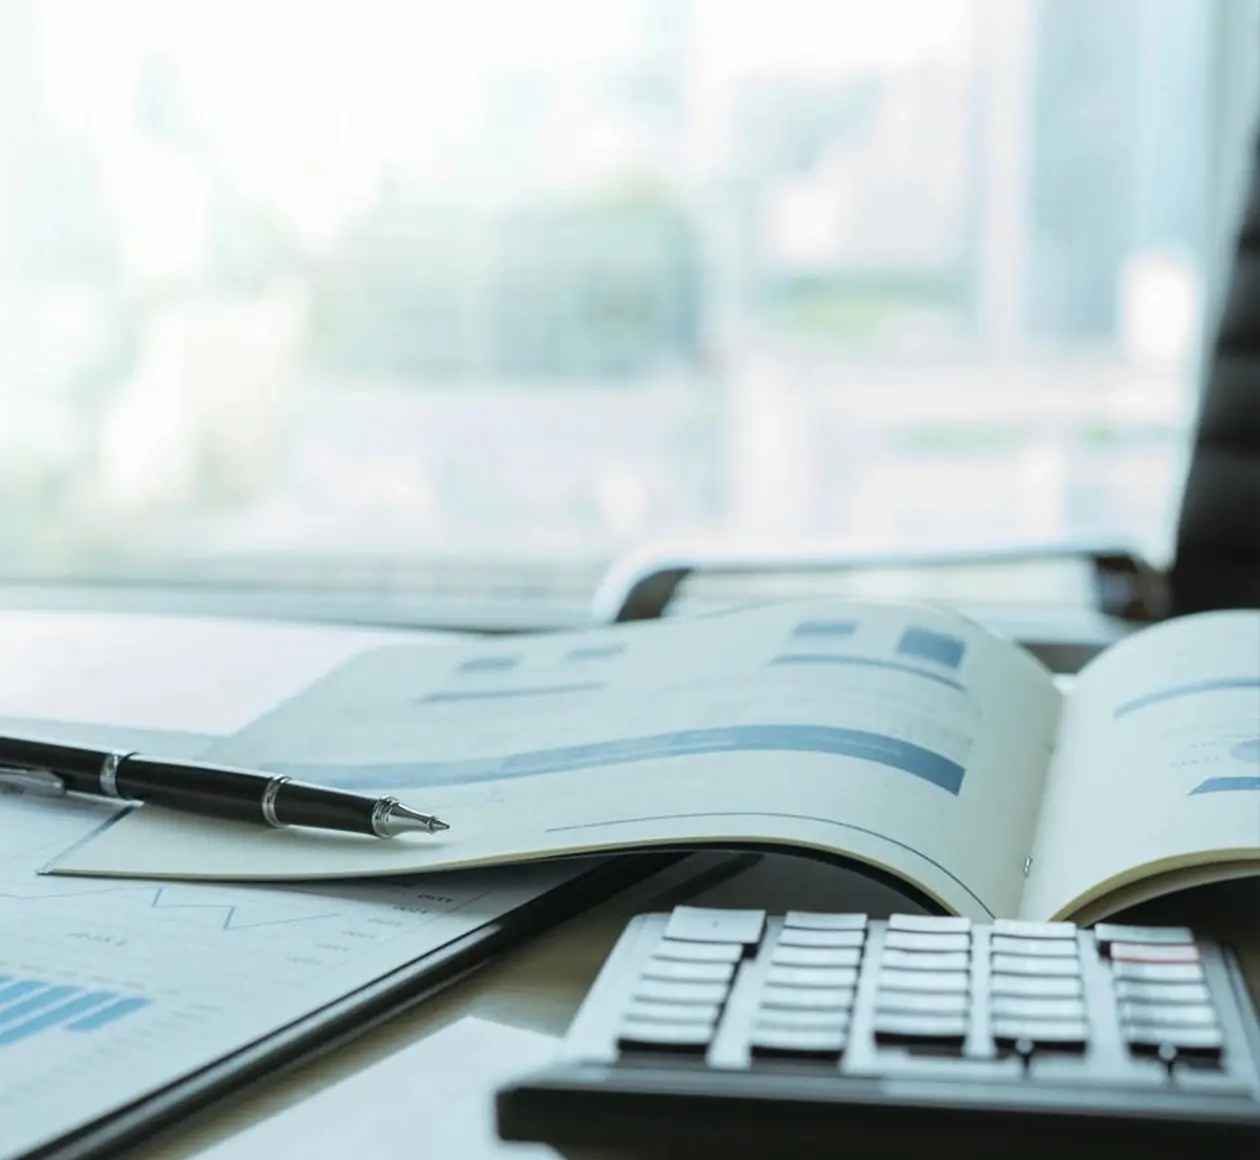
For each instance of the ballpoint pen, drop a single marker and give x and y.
(49, 768)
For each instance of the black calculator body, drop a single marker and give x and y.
(733, 1033)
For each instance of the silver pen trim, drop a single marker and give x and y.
(269, 802)
(109, 774)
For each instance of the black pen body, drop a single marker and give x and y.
(242, 795)
(78, 767)
(196, 788)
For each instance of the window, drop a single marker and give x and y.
(519, 284)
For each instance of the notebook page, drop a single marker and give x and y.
(907, 738)
(1158, 763)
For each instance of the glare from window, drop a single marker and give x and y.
(536, 281)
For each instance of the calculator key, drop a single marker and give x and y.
(1109, 932)
(689, 972)
(665, 991)
(810, 920)
(1019, 928)
(930, 924)
(852, 939)
(1150, 1039)
(807, 998)
(1131, 990)
(1043, 948)
(922, 1003)
(1153, 953)
(1034, 986)
(1009, 1007)
(695, 952)
(788, 1017)
(816, 956)
(648, 1011)
(813, 976)
(1049, 968)
(1058, 1033)
(936, 982)
(800, 1041)
(1158, 972)
(711, 924)
(920, 1028)
(1157, 1014)
(680, 1036)
(927, 960)
(910, 940)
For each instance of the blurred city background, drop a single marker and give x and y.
(525, 282)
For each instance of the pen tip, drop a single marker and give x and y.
(401, 819)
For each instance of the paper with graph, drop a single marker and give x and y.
(111, 990)
(906, 738)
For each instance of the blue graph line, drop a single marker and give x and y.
(892, 752)
(505, 694)
(828, 628)
(932, 646)
(1226, 785)
(158, 901)
(1187, 690)
(867, 662)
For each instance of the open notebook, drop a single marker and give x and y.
(905, 738)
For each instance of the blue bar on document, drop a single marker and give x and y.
(107, 1015)
(52, 1017)
(16, 1012)
(17, 990)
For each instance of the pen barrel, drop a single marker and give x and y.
(195, 789)
(240, 795)
(298, 804)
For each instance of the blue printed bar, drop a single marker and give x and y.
(1173, 692)
(825, 628)
(891, 752)
(1227, 785)
(492, 664)
(106, 1015)
(867, 662)
(505, 694)
(932, 646)
(45, 997)
(53, 1017)
(18, 989)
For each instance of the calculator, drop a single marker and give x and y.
(742, 1033)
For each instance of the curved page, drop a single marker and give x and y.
(1157, 769)
(907, 738)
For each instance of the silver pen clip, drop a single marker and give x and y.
(37, 781)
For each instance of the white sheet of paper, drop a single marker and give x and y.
(432, 1099)
(109, 990)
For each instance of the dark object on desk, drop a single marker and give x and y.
(1217, 561)
(44, 767)
(733, 1033)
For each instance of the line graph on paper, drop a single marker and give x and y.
(197, 931)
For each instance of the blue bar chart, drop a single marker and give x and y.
(30, 1007)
